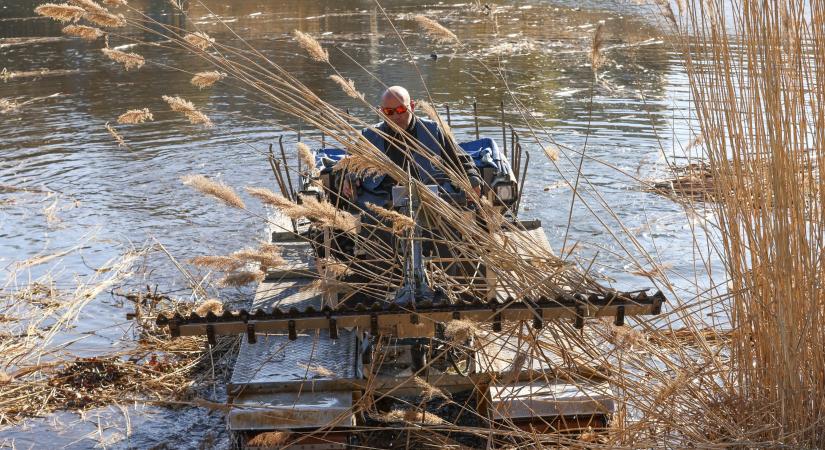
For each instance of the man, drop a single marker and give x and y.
(398, 108)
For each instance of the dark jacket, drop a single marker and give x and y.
(430, 136)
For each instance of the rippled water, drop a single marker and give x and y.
(115, 198)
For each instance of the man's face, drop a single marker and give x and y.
(393, 102)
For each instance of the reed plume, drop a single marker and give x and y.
(285, 205)
(269, 439)
(106, 19)
(129, 60)
(430, 111)
(214, 189)
(326, 213)
(221, 263)
(306, 157)
(268, 259)
(8, 105)
(188, 109)
(212, 305)
(89, 6)
(335, 268)
(83, 32)
(116, 2)
(348, 86)
(400, 222)
(311, 46)
(360, 165)
(459, 330)
(207, 79)
(134, 116)
(427, 390)
(61, 12)
(410, 416)
(116, 135)
(596, 55)
(435, 30)
(243, 278)
(199, 40)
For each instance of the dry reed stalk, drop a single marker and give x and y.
(116, 135)
(430, 111)
(212, 305)
(129, 60)
(360, 165)
(83, 32)
(311, 46)
(134, 116)
(243, 278)
(435, 30)
(348, 86)
(106, 19)
(222, 263)
(116, 2)
(199, 40)
(214, 189)
(335, 269)
(61, 12)
(188, 109)
(516, 366)
(400, 223)
(207, 79)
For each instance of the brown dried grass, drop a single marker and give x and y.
(400, 223)
(212, 305)
(269, 439)
(106, 20)
(410, 416)
(596, 55)
(267, 259)
(214, 189)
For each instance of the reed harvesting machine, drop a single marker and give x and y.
(359, 357)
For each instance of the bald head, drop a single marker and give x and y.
(394, 97)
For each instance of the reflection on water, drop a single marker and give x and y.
(625, 124)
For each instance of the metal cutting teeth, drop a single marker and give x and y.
(638, 298)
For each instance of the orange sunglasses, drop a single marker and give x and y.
(400, 109)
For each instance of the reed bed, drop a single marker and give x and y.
(755, 381)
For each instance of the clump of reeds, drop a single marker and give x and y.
(188, 109)
(134, 116)
(89, 6)
(267, 258)
(199, 40)
(61, 12)
(214, 189)
(428, 391)
(348, 86)
(435, 30)
(460, 330)
(83, 32)
(128, 59)
(206, 79)
(311, 46)
(306, 157)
